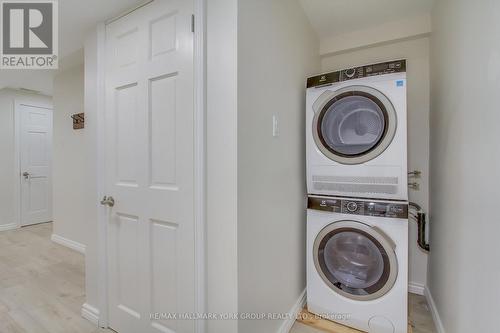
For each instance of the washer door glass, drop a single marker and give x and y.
(354, 125)
(355, 260)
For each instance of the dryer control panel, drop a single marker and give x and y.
(357, 73)
(359, 207)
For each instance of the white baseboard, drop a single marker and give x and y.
(416, 288)
(90, 313)
(68, 243)
(435, 314)
(10, 226)
(292, 314)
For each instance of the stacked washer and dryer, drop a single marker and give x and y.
(357, 217)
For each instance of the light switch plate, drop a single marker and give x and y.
(276, 131)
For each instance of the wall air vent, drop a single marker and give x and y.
(356, 185)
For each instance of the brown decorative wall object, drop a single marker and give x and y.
(78, 120)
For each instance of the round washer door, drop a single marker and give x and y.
(354, 124)
(355, 260)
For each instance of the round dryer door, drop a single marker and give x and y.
(355, 260)
(354, 124)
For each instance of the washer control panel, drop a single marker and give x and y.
(359, 207)
(353, 207)
(357, 73)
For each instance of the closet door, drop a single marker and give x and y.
(150, 138)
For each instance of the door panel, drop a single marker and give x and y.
(164, 279)
(127, 245)
(38, 195)
(149, 122)
(162, 118)
(163, 35)
(35, 153)
(127, 117)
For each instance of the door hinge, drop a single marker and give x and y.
(192, 23)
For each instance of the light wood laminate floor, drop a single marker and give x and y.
(42, 287)
(41, 284)
(420, 318)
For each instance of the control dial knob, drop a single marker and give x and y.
(350, 72)
(352, 206)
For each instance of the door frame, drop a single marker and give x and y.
(17, 103)
(199, 94)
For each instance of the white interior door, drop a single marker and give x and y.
(150, 138)
(35, 154)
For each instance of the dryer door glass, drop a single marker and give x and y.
(355, 260)
(354, 125)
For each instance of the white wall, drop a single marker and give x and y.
(7, 170)
(69, 157)
(464, 267)
(40, 80)
(277, 51)
(8, 175)
(389, 32)
(221, 114)
(93, 110)
(416, 51)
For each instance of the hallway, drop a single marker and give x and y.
(41, 284)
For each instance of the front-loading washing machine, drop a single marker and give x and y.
(357, 262)
(356, 132)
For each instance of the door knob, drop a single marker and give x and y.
(26, 175)
(108, 201)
